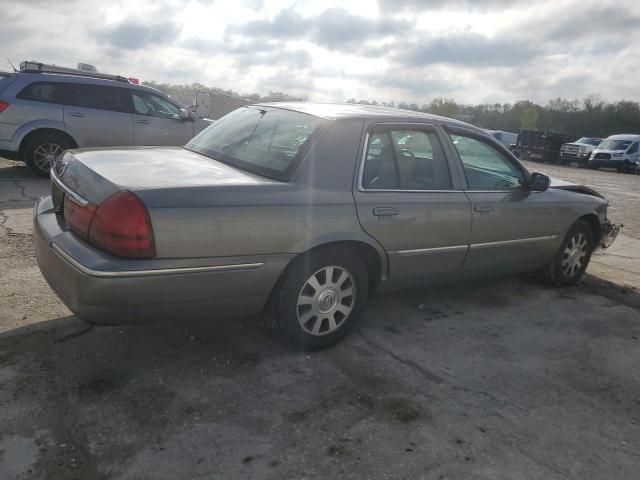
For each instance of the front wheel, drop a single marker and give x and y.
(321, 298)
(570, 262)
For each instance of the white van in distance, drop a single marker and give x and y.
(617, 151)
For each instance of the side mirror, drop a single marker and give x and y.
(539, 182)
(183, 114)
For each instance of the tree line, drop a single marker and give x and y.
(590, 116)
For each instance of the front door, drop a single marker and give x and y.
(511, 226)
(410, 203)
(98, 116)
(156, 121)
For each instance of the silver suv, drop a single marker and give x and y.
(46, 110)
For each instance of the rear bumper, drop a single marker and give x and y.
(108, 290)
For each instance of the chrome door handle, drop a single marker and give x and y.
(145, 122)
(384, 211)
(76, 114)
(483, 208)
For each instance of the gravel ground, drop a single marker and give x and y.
(502, 379)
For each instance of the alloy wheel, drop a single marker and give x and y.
(45, 154)
(574, 255)
(326, 300)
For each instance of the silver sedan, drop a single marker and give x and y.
(300, 212)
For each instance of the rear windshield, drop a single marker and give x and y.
(615, 144)
(264, 141)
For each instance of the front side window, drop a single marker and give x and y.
(98, 97)
(50, 92)
(145, 103)
(405, 159)
(485, 167)
(265, 141)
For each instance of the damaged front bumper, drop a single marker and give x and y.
(609, 233)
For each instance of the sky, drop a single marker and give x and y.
(480, 51)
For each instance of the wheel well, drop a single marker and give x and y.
(593, 221)
(367, 254)
(40, 131)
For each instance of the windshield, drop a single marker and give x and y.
(264, 141)
(589, 141)
(615, 144)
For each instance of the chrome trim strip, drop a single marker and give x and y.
(512, 242)
(145, 273)
(421, 251)
(83, 202)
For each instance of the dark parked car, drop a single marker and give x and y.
(301, 211)
(542, 146)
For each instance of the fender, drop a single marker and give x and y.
(345, 236)
(29, 127)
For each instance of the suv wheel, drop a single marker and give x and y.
(572, 258)
(321, 298)
(42, 150)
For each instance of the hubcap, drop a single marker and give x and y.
(574, 255)
(45, 154)
(326, 300)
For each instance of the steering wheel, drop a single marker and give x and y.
(405, 152)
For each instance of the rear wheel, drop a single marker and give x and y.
(570, 262)
(42, 150)
(321, 298)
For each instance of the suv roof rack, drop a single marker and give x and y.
(37, 67)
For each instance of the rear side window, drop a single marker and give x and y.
(50, 92)
(405, 159)
(98, 97)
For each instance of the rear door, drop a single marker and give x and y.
(98, 115)
(408, 200)
(511, 226)
(156, 121)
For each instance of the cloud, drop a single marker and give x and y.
(288, 23)
(132, 35)
(296, 59)
(394, 6)
(591, 22)
(335, 28)
(338, 29)
(468, 49)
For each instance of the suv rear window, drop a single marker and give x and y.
(51, 92)
(97, 96)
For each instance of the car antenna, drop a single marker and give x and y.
(14, 68)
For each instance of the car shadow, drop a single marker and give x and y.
(227, 395)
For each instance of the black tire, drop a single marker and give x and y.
(31, 153)
(286, 309)
(624, 167)
(562, 271)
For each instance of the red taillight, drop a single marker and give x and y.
(121, 226)
(77, 217)
(3, 105)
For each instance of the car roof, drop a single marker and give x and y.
(335, 111)
(624, 136)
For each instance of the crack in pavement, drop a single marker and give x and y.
(23, 191)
